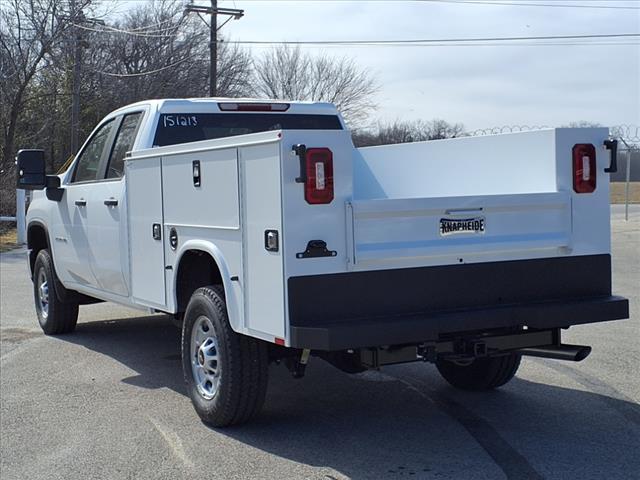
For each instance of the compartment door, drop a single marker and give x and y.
(144, 202)
(263, 270)
(425, 230)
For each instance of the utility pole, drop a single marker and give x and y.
(75, 81)
(214, 11)
(77, 18)
(213, 50)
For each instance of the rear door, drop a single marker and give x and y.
(106, 211)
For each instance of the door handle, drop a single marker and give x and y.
(463, 211)
(81, 203)
(111, 202)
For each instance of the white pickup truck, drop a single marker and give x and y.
(262, 229)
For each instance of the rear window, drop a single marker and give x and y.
(192, 127)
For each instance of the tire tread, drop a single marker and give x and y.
(482, 374)
(63, 316)
(246, 368)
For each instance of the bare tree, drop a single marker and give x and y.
(28, 32)
(407, 131)
(131, 62)
(234, 71)
(289, 73)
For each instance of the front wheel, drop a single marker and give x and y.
(483, 373)
(225, 372)
(55, 317)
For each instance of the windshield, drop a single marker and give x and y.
(192, 127)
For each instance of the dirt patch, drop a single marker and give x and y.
(618, 192)
(17, 335)
(8, 238)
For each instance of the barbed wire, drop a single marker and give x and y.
(630, 133)
(507, 129)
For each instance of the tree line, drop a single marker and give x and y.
(152, 51)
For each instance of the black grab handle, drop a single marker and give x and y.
(301, 151)
(613, 146)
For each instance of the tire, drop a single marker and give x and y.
(226, 373)
(55, 317)
(482, 373)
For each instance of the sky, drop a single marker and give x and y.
(479, 86)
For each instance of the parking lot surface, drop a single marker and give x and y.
(108, 402)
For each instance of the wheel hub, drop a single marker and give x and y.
(205, 365)
(200, 357)
(43, 294)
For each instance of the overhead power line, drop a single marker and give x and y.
(146, 27)
(427, 41)
(150, 72)
(481, 45)
(608, 4)
(113, 30)
(531, 4)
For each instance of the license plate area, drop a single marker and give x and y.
(458, 226)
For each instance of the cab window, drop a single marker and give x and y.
(124, 143)
(88, 166)
(192, 127)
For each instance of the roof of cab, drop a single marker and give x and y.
(204, 105)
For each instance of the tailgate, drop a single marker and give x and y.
(428, 231)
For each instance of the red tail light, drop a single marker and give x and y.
(318, 186)
(584, 168)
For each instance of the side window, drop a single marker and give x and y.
(123, 144)
(89, 162)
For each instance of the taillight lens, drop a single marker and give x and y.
(584, 168)
(318, 187)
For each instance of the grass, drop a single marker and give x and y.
(8, 238)
(618, 192)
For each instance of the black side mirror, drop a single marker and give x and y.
(32, 171)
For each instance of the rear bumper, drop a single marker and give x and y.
(416, 329)
(391, 307)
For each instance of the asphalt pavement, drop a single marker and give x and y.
(108, 402)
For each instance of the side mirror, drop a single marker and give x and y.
(32, 171)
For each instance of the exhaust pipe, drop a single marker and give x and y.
(573, 353)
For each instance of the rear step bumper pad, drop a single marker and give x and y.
(416, 329)
(386, 307)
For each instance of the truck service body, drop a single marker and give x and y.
(260, 226)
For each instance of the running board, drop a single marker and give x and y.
(573, 353)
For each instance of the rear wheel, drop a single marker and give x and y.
(483, 373)
(55, 317)
(225, 372)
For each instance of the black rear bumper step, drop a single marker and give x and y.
(573, 353)
(408, 329)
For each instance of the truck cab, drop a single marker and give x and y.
(270, 237)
